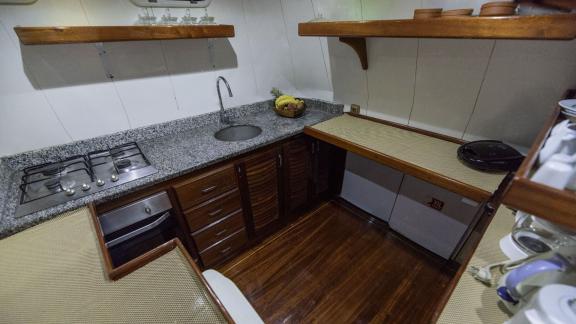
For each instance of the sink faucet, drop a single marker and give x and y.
(221, 78)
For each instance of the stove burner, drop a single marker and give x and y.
(51, 171)
(52, 184)
(116, 153)
(123, 164)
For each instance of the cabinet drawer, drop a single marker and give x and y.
(225, 249)
(213, 210)
(218, 231)
(205, 186)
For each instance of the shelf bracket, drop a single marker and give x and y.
(359, 45)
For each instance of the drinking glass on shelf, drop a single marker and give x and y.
(187, 19)
(206, 20)
(143, 17)
(168, 19)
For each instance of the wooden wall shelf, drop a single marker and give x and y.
(558, 206)
(550, 27)
(94, 34)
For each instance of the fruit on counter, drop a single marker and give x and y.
(286, 102)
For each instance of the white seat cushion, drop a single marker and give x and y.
(232, 298)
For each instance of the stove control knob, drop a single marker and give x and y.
(70, 192)
(85, 187)
(100, 182)
(115, 178)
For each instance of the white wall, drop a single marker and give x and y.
(466, 88)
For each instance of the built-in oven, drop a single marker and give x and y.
(139, 227)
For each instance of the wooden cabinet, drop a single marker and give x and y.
(328, 169)
(213, 211)
(205, 186)
(312, 171)
(297, 163)
(260, 182)
(231, 206)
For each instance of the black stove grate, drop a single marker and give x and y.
(51, 175)
(47, 179)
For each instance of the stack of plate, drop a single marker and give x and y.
(569, 108)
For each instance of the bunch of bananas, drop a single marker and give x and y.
(285, 102)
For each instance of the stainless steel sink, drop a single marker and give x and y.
(238, 133)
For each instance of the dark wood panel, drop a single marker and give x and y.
(205, 186)
(213, 210)
(90, 34)
(262, 179)
(514, 27)
(219, 230)
(297, 155)
(224, 249)
(334, 266)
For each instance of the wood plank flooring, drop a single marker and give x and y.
(334, 266)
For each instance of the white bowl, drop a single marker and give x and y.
(569, 104)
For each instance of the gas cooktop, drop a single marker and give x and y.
(51, 184)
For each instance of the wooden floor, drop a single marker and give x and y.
(334, 266)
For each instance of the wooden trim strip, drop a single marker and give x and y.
(91, 34)
(546, 27)
(558, 206)
(410, 128)
(443, 181)
(137, 263)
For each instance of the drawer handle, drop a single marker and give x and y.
(226, 250)
(209, 189)
(215, 213)
(222, 232)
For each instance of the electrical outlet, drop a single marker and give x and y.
(355, 109)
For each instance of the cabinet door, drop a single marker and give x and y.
(297, 157)
(261, 183)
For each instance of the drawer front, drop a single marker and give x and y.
(213, 210)
(218, 231)
(205, 186)
(225, 249)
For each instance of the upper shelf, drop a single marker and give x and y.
(93, 34)
(353, 33)
(562, 26)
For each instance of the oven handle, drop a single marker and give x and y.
(138, 231)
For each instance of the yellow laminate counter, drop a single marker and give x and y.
(472, 302)
(54, 273)
(426, 157)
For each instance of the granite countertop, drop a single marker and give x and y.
(174, 148)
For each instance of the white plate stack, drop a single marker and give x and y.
(569, 108)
